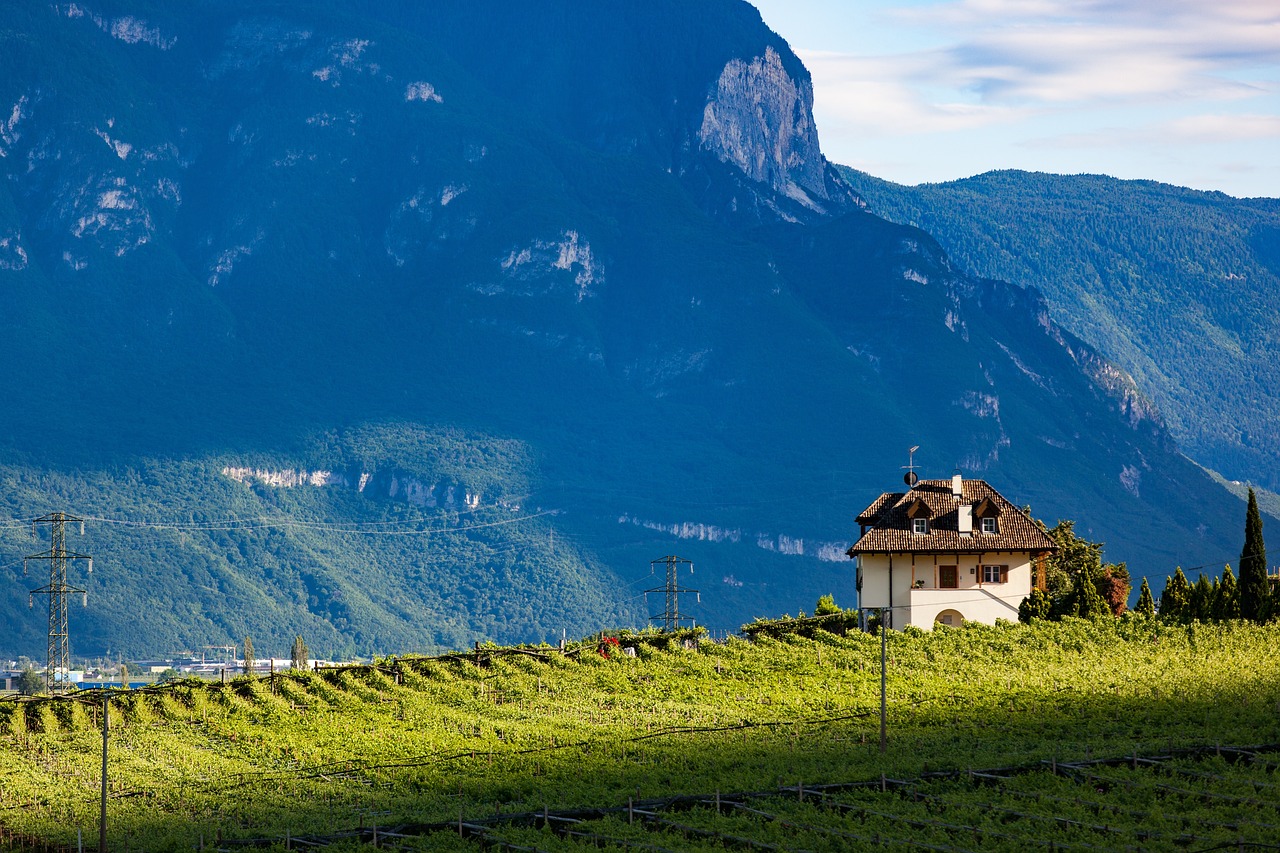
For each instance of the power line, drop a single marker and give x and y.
(265, 523)
(671, 617)
(57, 673)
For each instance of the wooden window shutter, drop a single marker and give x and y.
(1004, 574)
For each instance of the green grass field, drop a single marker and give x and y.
(1088, 727)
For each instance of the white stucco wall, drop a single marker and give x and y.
(973, 599)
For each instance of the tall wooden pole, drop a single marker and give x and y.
(883, 734)
(106, 727)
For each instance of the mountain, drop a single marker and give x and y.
(1178, 287)
(401, 327)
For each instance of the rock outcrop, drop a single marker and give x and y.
(760, 119)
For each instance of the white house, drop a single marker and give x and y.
(947, 551)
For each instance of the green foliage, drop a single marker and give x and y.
(417, 740)
(1255, 589)
(1146, 604)
(1226, 599)
(1078, 558)
(29, 683)
(314, 560)
(1175, 600)
(826, 606)
(1037, 605)
(841, 622)
(298, 653)
(1200, 604)
(1074, 556)
(1083, 600)
(1205, 601)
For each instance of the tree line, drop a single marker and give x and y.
(1079, 584)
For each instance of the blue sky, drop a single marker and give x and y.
(1181, 91)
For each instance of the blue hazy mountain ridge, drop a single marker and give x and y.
(1179, 287)
(461, 320)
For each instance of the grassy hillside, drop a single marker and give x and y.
(503, 732)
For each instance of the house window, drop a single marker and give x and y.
(995, 574)
(989, 525)
(948, 577)
(919, 525)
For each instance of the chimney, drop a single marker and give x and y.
(957, 488)
(964, 520)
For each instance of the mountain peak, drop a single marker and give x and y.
(760, 119)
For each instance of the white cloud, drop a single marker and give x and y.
(1186, 91)
(1219, 128)
(1002, 52)
(1200, 129)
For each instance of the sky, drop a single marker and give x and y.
(1185, 92)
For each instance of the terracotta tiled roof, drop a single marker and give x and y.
(871, 513)
(889, 527)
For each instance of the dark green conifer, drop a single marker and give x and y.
(1201, 607)
(1226, 600)
(1037, 605)
(298, 653)
(248, 655)
(1085, 601)
(1175, 600)
(1146, 604)
(1255, 591)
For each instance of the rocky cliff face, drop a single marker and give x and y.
(761, 120)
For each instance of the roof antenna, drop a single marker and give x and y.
(910, 477)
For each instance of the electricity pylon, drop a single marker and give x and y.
(672, 617)
(57, 672)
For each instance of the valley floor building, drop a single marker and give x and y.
(947, 551)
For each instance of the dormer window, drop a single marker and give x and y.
(989, 525)
(919, 525)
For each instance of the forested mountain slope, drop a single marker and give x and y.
(400, 328)
(1181, 288)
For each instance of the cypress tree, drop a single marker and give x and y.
(1085, 601)
(1255, 590)
(299, 653)
(248, 655)
(1226, 603)
(1201, 608)
(1175, 600)
(1146, 604)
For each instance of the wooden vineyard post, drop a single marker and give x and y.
(102, 818)
(883, 734)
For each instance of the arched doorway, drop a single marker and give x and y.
(949, 618)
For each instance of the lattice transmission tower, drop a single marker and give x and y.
(671, 617)
(57, 673)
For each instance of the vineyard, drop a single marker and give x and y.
(1060, 736)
